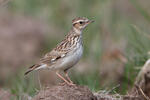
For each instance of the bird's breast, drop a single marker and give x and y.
(73, 57)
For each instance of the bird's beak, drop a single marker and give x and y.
(90, 21)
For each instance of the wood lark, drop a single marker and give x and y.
(67, 53)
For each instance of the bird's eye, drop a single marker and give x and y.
(81, 22)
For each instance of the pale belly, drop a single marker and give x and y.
(71, 59)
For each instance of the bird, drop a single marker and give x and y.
(67, 53)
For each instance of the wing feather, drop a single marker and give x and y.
(57, 53)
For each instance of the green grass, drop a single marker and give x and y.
(60, 13)
(91, 80)
(21, 85)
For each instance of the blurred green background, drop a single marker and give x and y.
(116, 45)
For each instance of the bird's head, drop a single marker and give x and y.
(80, 23)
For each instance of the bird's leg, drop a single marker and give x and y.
(68, 78)
(39, 80)
(62, 78)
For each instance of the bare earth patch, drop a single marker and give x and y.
(65, 92)
(140, 90)
(5, 95)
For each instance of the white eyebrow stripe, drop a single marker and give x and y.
(80, 20)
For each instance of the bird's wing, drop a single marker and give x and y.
(57, 53)
(51, 57)
(61, 50)
(48, 60)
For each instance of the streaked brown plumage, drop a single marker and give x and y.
(67, 53)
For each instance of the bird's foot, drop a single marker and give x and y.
(70, 83)
(62, 83)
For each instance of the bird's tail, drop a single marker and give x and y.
(32, 68)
